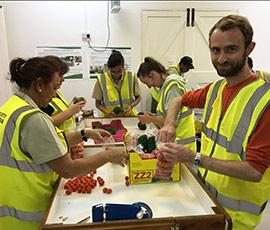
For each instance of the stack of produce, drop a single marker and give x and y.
(115, 128)
(163, 169)
(146, 146)
(77, 151)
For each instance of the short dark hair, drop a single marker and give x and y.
(187, 61)
(60, 63)
(234, 21)
(115, 59)
(24, 72)
(250, 63)
(148, 65)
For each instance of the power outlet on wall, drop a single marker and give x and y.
(86, 37)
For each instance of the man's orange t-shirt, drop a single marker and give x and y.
(258, 148)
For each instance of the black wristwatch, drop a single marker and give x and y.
(197, 160)
(84, 138)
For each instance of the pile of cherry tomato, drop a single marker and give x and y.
(84, 184)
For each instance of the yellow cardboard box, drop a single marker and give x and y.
(141, 171)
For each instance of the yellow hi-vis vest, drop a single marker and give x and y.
(185, 130)
(263, 75)
(154, 91)
(59, 105)
(174, 69)
(26, 187)
(226, 139)
(113, 97)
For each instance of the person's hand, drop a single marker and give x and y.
(166, 133)
(176, 153)
(145, 118)
(111, 114)
(75, 108)
(77, 99)
(117, 155)
(127, 111)
(100, 135)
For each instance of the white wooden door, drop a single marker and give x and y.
(163, 37)
(197, 46)
(168, 35)
(6, 89)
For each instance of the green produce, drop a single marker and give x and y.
(117, 110)
(148, 143)
(151, 144)
(111, 131)
(141, 126)
(78, 99)
(143, 141)
(87, 113)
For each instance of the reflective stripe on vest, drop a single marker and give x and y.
(186, 141)
(183, 114)
(106, 100)
(174, 69)
(60, 105)
(21, 215)
(226, 138)
(185, 135)
(56, 106)
(260, 74)
(155, 93)
(235, 145)
(26, 186)
(238, 205)
(54, 102)
(5, 151)
(61, 96)
(211, 101)
(164, 87)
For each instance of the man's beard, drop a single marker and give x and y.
(232, 68)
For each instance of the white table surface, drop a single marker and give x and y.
(169, 199)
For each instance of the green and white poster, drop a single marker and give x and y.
(71, 55)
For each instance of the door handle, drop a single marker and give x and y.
(188, 17)
(192, 17)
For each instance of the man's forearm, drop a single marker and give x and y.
(237, 169)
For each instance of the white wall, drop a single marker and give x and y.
(31, 24)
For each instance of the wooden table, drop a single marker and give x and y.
(176, 205)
